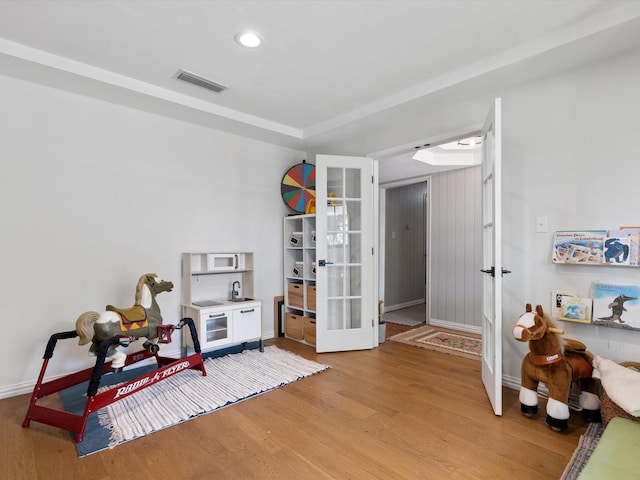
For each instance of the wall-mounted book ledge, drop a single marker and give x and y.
(619, 247)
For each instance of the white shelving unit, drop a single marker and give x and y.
(300, 278)
(207, 281)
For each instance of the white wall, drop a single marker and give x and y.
(570, 153)
(92, 195)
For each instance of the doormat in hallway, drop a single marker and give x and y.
(466, 345)
(410, 316)
(186, 395)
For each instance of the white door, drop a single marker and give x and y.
(346, 266)
(492, 257)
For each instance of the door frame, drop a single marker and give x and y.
(382, 227)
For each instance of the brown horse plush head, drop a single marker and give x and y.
(533, 325)
(556, 362)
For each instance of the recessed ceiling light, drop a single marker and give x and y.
(248, 39)
(470, 142)
(449, 158)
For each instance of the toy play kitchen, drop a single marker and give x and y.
(217, 292)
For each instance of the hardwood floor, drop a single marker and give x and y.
(395, 412)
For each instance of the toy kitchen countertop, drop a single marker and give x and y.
(223, 302)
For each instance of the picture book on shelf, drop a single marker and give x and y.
(616, 250)
(576, 309)
(556, 303)
(633, 235)
(580, 247)
(616, 306)
(571, 307)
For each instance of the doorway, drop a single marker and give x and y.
(406, 246)
(451, 249)
(489, 294)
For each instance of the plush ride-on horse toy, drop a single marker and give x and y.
(556, 362)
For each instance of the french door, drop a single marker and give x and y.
(492, 256)
(346, 253)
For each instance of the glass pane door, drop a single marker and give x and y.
(492, 256)
(344, 252)
(346, 280)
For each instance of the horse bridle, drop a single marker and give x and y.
(542, 359)
(539, 329)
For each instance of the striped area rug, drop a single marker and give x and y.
(187, 395)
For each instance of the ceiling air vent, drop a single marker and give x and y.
(199, 81)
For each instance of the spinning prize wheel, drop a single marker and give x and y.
(298, 187)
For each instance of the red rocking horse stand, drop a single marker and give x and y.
(105, 340)
(556, 362)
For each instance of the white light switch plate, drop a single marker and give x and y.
(541, 224)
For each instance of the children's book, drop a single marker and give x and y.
(576, 309)
(633, 234)
(616, 306)
(581, 247)
(556, 303)
(617, 250)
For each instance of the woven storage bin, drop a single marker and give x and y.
(311, 297)
(293, 326)
(310, 330)
(296, 296)
(610, 409)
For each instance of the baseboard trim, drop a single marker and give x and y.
(507, 381)
(27, 387)
(511, 382)
(17, 389)
(400, 306)
(455, 326)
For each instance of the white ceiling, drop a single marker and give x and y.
(328, 73)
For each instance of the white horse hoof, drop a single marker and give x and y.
(117, 360)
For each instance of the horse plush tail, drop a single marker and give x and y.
(84, 326)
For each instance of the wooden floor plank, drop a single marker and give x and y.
(396, 412)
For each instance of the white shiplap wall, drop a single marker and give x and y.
(456, 249)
